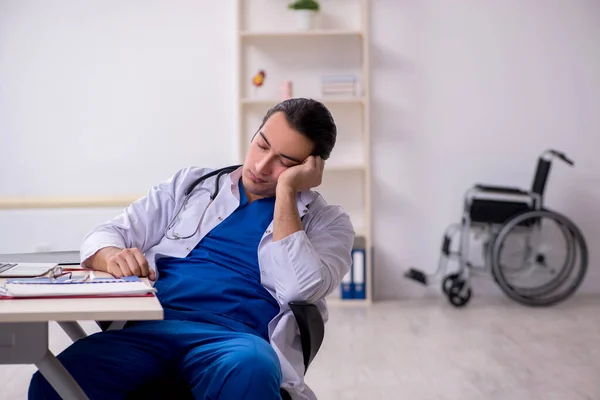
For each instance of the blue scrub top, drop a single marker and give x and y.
(219, 280)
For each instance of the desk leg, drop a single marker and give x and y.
(73, 330)
(60, 379)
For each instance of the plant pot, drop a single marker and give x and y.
(305, 19)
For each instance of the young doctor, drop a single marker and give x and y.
(226, 259)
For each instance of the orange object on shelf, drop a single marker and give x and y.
(259, 79)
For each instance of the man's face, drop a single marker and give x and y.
(275, 148)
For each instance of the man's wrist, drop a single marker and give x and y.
(99, 261)
(284, 188)
(286, 217)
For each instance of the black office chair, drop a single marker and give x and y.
(312, 331)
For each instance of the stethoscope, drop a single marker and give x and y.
(219, 172)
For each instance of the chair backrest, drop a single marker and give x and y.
(312, 329)
(541, 176)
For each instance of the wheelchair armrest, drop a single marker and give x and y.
(501, 189)
(312, 329)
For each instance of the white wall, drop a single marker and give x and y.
(108, 98)
(112, 95)
(498, 76)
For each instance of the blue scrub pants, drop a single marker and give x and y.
(210, 361)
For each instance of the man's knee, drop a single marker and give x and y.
(258, 356)
(243, 367)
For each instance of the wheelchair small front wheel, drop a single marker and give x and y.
(448, 282)
(458, 294)
(539, 258)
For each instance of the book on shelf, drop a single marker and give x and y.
(339, 85)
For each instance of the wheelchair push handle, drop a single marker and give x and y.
(562, 156)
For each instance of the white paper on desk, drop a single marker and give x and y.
(88, 289)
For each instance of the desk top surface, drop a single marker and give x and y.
(98, 309)
(78, 309)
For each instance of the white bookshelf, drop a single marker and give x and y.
(267, 40)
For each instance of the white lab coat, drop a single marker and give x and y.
(305, 266)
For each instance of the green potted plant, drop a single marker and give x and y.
(306, 12)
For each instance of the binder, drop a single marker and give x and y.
(359, 272)
(346, 286)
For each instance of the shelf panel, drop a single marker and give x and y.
(325, 100)
(345, 168)
(337, 302)
(310, 33)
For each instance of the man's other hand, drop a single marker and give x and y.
(122, 262)
(129, 262)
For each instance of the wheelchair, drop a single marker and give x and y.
(537, 256)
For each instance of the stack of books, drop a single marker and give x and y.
(42, 287)
(339, 85)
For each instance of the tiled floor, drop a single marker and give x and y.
(493, 349)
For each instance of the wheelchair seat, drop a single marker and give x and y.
(487, 211)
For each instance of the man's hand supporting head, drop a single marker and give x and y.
(286, 219)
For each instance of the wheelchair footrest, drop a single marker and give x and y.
(416, 275)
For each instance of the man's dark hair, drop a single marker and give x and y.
(312, 119)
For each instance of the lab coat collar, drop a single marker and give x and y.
(303, 198)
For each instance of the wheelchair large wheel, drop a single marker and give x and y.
(535, 264)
